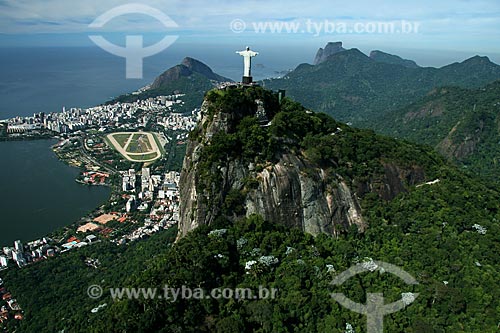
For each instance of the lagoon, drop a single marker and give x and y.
(38, 192)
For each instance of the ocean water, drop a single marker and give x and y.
(46, 79)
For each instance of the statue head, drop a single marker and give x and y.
(248, 48)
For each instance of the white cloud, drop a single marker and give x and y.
(450, 20)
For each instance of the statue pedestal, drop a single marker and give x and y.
(247, 80)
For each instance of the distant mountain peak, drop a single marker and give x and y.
(392, 59)
(330, 49)
(187, 67)
(356, 52)
(352, 56)
(473, 65)
(199, 67)
(333, 48)
(478, 59)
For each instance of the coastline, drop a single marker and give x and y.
(48, 136)
(84, 183)
(137, 210)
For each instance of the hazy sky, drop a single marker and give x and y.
(467, 27)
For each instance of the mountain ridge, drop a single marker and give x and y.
(330, 49)
(186, 68)
(352, 87)
(381, 56)
(191, 77)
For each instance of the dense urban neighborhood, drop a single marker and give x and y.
(145, 195)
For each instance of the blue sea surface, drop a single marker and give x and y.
(46, 79)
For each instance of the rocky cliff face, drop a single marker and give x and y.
(461, 149)
(291, 190)
(329, 50)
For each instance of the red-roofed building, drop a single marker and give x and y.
(73, 239)
(105, 232)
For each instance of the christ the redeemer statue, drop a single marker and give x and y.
(247, 56)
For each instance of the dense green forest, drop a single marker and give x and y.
(53, 293)
(462, 124)
(456, 266)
